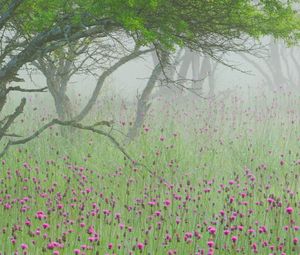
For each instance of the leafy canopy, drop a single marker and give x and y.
(191, 23)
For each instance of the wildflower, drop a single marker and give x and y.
(76, 251)
(140, 246)
(234, 239)
(289, 210)
(167, 202)
(46, 225)
(210, 244)
(40, 215)
(152, 203)
(226, 232)
(24, 246)
(212, 230)
(157, 213)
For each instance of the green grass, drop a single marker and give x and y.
(216, 142)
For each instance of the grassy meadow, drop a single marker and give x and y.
(215, 177)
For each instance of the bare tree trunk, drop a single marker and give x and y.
(143, 103)
(170, 72)
(211, 80)
(297, 65)
(196, 85)
(102, 78)
(275, 65)
(204, 72)
(186, 62)
(260, 69)
(63, 107)
(3, 95)
(62, 102)
(57, 86)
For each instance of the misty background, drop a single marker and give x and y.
(246, 71)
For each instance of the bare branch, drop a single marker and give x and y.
(11, 118)
(18, 88)
(48, 41)
(75, 125)
(102, 79)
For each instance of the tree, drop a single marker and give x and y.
(276, 68)
(47, 32)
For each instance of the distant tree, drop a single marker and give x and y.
(58, 67)
(278, 67)
(85, 57)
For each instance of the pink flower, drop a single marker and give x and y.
(117, 216)
(55, 252)
(7, 206)
(91, 230)
(76, 251)
(167, 202)
(84, 246)
(226, 232)
(240, 228)
(24, 246)
(157, 213)
(212, 230)
(289, 210)
(234, 239)
(28, 222)
(140, 246)
(152, 203)
(210, 244)
(106, 212)
(40, 215)
(45, 225)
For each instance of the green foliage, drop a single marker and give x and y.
(188, 23)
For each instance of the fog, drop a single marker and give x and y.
(130, 79)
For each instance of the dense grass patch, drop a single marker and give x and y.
(225, 180)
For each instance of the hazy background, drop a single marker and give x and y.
(130, 79)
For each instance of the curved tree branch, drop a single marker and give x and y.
(102, 79)
(78, 126)
(11, 118)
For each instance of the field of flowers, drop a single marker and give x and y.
(225, 179)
